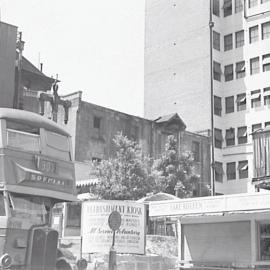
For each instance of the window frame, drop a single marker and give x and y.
(218, 138)
(216, 40)
(229, 104)
(243, 174)
(231, 175)
(239, 39)
(217, 105)
(254, 65)
(231, 140)
(216, 8)
(253, 35)
(266, 66)
(255, 101)
(242, 139)
(217, 71)
(241, 105)
(228, 72)
(265, 28)
(227, 8)
(228, 42)
(240, 73)
(219, 172)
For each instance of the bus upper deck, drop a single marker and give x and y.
(35, 156)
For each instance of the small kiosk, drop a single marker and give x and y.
(221, 232)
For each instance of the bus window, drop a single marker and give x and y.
(22, 140)
(57, 146)
(22, 127)
(2, 205)
(34, 208)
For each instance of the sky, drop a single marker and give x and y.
(95, 46)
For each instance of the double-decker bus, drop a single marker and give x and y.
(36, 171)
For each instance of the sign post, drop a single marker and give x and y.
(114, 222)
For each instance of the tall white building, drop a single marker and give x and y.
(209, 61)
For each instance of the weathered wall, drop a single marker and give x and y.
(177, 63)
(8, 35)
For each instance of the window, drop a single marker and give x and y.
(229, 104)
(266, 30)
(97, 121)
(253, 34)
(218, 172)
(243, 169)
(228, 73)
(239, 39)
(241, 102)
(216, 40)
(216, 7)
(217, 105)
(254, 65)
(227, 8)
(218, 138)
(266, 62)
(256, 127)
(255, 98)
(217, 71)
(231, 171)
(266, 96)
(252, 3)
(196, 151)
(73, 215)
(238, 6)
(240, 70)
(264, 240)
(228, 42)
(242, 135)
(2, 205)
(230, 137)
(266, 124)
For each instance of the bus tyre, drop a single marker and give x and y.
(62, 264)
(5, 261)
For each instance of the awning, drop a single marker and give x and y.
(241, 98)
(256, 96)
(266, 59)
(229, 134)
(242, 132)
(87, 182)
(243, 166)
(240, 66)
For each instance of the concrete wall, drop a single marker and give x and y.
(177, 63)
(217, 242)
(8, 36)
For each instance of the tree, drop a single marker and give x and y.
(124, 177)
(173, 171)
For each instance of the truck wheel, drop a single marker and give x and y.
(63, 265)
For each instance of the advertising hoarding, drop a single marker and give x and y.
(97, 235)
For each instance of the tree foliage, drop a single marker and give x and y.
(124, 177)
(173, 171)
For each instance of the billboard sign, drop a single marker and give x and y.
(97, 235)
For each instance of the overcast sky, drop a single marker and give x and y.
(95, 46)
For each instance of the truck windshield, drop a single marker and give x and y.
(36, 209)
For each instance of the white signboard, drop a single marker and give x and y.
(228, 203)
(97, 235)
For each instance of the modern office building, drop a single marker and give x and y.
(209, 61)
